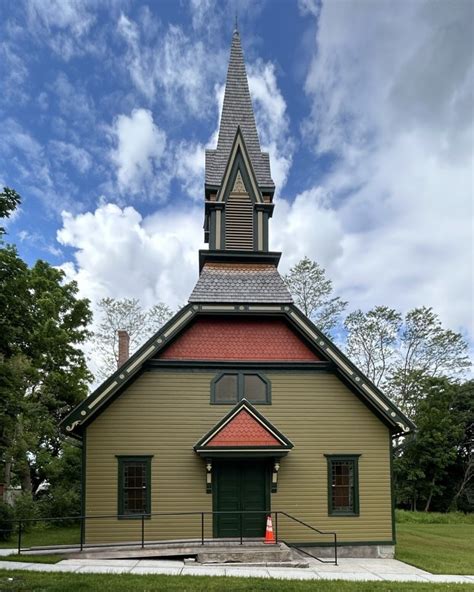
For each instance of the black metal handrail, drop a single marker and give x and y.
(323, 532)
(144, 516)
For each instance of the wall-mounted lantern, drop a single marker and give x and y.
(276, 468)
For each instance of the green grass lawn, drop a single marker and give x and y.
(438, 543)
(44, 536)
(438, 548)
(25, 558)
(58, 582)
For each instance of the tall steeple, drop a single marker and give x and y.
(238, 268)
(238, 184)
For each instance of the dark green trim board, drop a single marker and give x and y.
(354, 460)
(211, 365)
(122, 459)
(392, 493)
(83, 483)
(222, 256)
(240, 394)
(341, 543)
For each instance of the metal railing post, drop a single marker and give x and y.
(82, 532)
(19, 536)
(241, 539)
(143, 531)
(202, 528)
(335, 549)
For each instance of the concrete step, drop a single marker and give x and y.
(242, 554)
(292, 563)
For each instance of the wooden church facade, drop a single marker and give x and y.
(239, 403)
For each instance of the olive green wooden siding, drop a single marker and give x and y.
(165, 413)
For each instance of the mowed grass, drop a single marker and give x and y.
(44, 536)
(17, 581)
(33, 558)
(437, 548)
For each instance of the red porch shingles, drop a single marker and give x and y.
(243, 430)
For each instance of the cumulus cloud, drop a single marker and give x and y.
(120, 254)
(391, 105)
(140, 148)
(272, 120)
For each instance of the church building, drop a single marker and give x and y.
(238, 403)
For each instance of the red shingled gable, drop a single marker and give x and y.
(239, 339)
(243, 430)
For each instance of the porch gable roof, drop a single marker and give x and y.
(243, 428)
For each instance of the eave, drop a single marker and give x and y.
(355, 380)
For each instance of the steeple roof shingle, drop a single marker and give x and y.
(237, 111)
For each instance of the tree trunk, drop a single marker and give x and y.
(7, 475)
(26, 484)
(428, 501)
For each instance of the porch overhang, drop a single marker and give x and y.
(243, 433)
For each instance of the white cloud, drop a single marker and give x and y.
(189, 163)
(63, 25)
(140, 148)
(272, 120)
(169, 65)
(391, 100)
(119, 254)
(66, 152)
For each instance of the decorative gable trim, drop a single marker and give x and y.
(355, 380)
(239, 147)
(280, 443)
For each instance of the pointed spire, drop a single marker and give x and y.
(237, 111)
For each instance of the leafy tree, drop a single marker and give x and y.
(9, 201)
(372, 339)
(424, 458)
(312, 292)
(43, 372)
(125, 314)
(396, 352)
(426, 349)
(463, 473)
(62, 497)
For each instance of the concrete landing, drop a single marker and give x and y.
(246, 554)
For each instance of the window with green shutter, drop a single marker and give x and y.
(343, 484)
(134, 486)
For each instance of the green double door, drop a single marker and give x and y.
(241, 486)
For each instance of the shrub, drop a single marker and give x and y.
(61, 502)
(6, 527)
(434, 517)
(26, 509)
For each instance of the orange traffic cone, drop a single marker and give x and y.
(269, 536)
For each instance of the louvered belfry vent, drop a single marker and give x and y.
(239, 218)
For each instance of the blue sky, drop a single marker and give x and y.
(106, 109)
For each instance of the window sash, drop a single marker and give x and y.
(343, 485)
(240, 389)
(134, 486)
